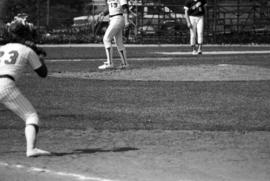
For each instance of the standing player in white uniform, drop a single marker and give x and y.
(14, 57)
(118, 13)
(194, 14)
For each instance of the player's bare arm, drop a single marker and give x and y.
(205, 10)
(104, 12)
(187, 18)
(125, 14)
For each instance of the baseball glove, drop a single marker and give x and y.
(23, 33)
(39, 51)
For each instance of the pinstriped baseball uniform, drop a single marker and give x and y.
(14, 58)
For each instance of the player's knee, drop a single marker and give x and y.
(120, 47)
(192, 41)
(200, 39)
(32, 119)
(107, 42)
(192, 35)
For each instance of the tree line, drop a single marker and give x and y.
(53, 13)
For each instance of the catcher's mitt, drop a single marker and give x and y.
(39, 51)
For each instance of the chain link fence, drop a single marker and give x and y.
(160, 21)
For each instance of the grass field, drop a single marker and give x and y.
(149, 122)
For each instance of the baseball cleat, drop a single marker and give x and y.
(37, 152)
(194, 52)
(105, 66)
(199, 52)
(123, 66)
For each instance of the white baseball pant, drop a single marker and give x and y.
(115, 31)
(13, 99)
(196, 32)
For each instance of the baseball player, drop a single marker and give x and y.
(194, 14)
(118, 13)
(14, 58)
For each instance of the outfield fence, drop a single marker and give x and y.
(161, 21)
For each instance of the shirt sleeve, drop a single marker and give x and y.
(33, 60)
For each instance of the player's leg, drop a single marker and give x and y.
(200, 27)
(120, 45)
(121, 49)
(193, 34)
(107, 40)
(17, 103)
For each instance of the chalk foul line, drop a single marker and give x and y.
(52, 172)
(217, 52)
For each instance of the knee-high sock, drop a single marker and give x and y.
(109, 55)
(123, 56)
(30, 135)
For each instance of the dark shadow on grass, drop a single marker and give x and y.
(94, 150)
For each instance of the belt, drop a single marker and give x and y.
(120, 14)
(7, 76)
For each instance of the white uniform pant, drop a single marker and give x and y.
(115, 31)
(196, 32)
(13, 99)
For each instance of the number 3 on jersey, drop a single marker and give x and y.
(11, 57)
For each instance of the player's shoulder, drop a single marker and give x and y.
(21, 48)
(18, 45)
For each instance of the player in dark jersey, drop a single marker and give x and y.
(194, 14)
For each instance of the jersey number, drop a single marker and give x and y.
(114, 5)
(12, 58)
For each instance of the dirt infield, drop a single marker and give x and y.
(221, 72)
(176, 118)
(145, 156)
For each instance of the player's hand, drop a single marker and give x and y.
(100, 15)
(127, 24)
(189, 25)
(126, 28)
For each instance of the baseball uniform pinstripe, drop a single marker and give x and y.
(14, 58)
